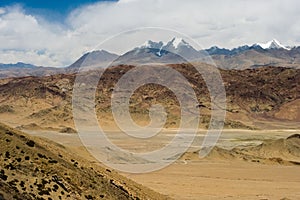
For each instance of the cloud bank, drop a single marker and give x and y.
(34, 39)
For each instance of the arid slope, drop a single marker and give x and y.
(256, 98)
(32, 168)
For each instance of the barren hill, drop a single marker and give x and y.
(254, 98)
(284, 151)
(32, 168)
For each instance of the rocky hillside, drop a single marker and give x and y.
(254, 96)
(32, 168)
(284, 151)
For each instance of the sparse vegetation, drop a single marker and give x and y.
(6, 109)
(40, 173)
(250, 94)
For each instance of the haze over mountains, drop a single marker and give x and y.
(177, 50)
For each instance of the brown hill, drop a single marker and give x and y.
(288, 149)
(32, 168)
(281, 151)
(255, 97)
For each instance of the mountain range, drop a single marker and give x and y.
(177, 50)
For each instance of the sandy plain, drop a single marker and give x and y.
(214, 177)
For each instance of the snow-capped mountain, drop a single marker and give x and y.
(176, 45)
(272, 53)
(156, 46)
(273, 44)
(182, 48)
(177, 50)
(152, 45)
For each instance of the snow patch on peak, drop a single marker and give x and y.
(178, 41)
(152, 45)
(273, 44)
(147, 44)
(175, 43)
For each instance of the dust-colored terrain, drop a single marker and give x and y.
(245, 164)
(32, 168)
(266, 98)
(256, 157)
(267, 171)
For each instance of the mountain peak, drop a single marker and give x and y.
(273, 44)
(177, 41)
(17, 65)
(152, 45)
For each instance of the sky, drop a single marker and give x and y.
(56, 33)
(53, 10)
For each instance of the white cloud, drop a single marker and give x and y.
(225, 23)
(2, 11)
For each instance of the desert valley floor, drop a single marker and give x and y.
(222, 175)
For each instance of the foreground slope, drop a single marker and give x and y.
(32, 168)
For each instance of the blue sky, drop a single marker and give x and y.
(60, 6)
(50, 9)
(56, 33)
